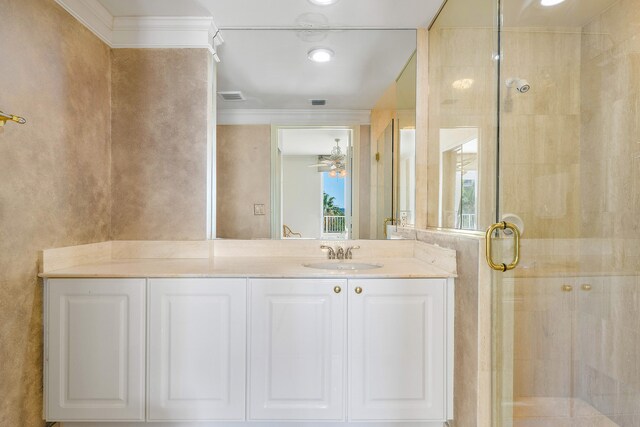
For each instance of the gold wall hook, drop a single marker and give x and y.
(4, 118)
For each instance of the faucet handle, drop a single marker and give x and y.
(332, 253)
(349, 254)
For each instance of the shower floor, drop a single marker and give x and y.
(557, 412)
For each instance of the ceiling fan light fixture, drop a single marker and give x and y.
(320, 54)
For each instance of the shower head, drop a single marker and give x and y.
(521, 85)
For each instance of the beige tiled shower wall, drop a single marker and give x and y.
(540, 130)
(54, 176)
(610, 107)
(608, 333)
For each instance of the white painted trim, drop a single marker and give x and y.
(163, 32)
(158, 32)
(92, 15)
(355, 183)
(294, 117)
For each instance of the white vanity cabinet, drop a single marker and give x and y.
(197, 340)
(95, 349)
(398, 349)
(177, 350)
(297, 347)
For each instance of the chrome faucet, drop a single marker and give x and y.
(349, 253)
(332, 253)
(340, 253)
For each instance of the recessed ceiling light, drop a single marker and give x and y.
(322, 2)
(320, 54)
(462, 84)
(550, 2)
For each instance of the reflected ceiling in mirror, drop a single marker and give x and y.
(272, 69)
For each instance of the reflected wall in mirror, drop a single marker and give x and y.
(280, 171)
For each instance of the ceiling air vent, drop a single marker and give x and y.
(318, 102)
(232, 96)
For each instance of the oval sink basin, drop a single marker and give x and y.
(343, 266)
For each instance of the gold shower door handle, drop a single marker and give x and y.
(516, 246)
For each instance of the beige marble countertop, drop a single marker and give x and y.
(267, 267)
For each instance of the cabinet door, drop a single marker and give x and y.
(197, 348)
(297, 349)
(95, 348)
(397, 349)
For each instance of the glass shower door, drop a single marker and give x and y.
(566, 320)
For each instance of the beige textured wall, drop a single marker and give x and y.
(159, 143)
(54, 176)
(244, 179)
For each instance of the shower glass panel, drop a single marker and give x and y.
(461, 153)
(534, 118)
(567, 319)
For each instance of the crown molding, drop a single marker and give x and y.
(165, 32)
(145, 31)
(294, 117)
(92, 15)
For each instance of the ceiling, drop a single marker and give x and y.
(312, 141)
(287, 13)
(522, 13)
(272, 70)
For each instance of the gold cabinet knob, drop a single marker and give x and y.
(358, 290)
(337, 289)
(586, 287)
(567, 288)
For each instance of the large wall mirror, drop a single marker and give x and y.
(316, 133)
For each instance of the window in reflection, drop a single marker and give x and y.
(459, 189)
(334, 191)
